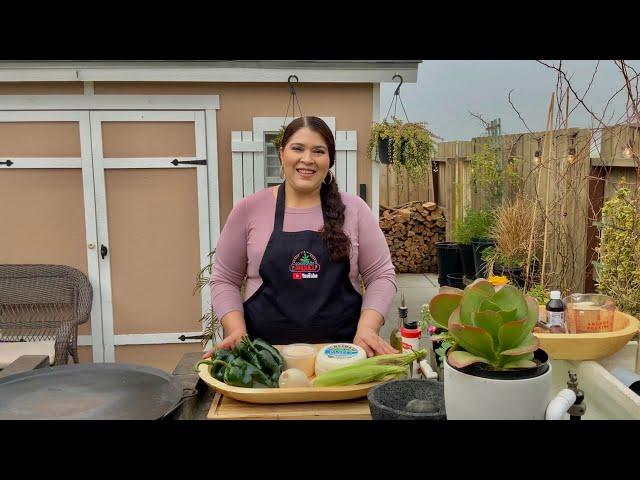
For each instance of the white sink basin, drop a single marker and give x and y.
(605, 396)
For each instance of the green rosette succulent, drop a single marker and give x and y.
(491, 325)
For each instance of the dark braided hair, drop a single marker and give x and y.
(337, 241)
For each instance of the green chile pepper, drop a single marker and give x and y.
(260, 344)
(262, 359)
(241, 373)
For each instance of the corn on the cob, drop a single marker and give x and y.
(404, 359)
(356, 374)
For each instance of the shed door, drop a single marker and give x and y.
(47, 201)
(153, 232)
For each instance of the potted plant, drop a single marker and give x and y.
(514, 224)
(474, 227)
(408, 147)
(494, 368)
(449, 262)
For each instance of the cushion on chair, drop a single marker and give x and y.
(10, 351)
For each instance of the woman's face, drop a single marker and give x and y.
(305, 160)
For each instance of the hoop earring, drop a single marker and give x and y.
(330, 181)
(281, 172)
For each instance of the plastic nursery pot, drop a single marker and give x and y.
(456, 280)
(514, 274)
(466, 256)
(478, 246)
(384, 151)
(448, 256)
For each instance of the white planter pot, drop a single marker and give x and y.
(468, 397)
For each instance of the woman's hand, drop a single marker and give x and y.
(369, 339)
(230, 341)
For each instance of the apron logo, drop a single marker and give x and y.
(304, 265)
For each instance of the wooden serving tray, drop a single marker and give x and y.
(590, 346)
(285, 395)
(226, 408)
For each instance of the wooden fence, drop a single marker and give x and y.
(576, 188)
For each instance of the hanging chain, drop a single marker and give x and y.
(293, 100)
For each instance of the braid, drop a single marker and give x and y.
(337, 241)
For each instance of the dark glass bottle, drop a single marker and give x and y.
(556, 313)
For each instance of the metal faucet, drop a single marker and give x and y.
(579, 407)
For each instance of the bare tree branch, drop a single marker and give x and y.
(516, 110)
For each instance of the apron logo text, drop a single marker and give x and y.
(304, 265)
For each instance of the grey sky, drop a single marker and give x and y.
(447, 90)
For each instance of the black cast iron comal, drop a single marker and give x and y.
(100, 391)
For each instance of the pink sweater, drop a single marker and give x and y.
(246, 233)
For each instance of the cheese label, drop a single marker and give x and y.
(341, 351)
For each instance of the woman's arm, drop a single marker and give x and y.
(227, 274)
(378, 275)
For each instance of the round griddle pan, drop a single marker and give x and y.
(100, 391)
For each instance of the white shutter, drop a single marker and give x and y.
(345, 168)
(247, 164)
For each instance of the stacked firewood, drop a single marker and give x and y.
(412, 230)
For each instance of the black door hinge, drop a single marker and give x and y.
(8, 163)
(176, 162)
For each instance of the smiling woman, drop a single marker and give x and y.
(302, 246)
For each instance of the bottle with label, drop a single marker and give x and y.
(556, 313)
(411, 334)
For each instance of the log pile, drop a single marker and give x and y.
(412, 230)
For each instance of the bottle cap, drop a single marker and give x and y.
(410, 324)
(555, 295)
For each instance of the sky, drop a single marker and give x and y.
(446, 90)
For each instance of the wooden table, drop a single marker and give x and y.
(211, 405)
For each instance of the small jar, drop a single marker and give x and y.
(301, 356)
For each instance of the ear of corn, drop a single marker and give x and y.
(356, 374)
(404, 359)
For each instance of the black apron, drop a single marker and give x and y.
(305, 297)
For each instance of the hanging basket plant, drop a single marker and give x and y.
(277, 140)
(408, 147)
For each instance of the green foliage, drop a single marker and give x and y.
(412, 147)
(475, 224)
(209, 320)
(491, 255)
(619, 264)
(489, 175)
(277, 140)
(541, 294)
(489, 325)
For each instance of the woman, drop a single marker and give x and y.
(301, 246)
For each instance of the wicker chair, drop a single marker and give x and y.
(44, 302)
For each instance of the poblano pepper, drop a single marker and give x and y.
(241, 373)
(217, 370)
(263, 358)
(263, 345)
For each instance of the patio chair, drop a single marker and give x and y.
(44, 302)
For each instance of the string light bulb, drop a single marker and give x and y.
(537, 157)
(628, 151)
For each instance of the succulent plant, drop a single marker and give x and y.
(491, 325)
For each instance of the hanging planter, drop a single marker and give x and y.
(384, 151)
(293, 100)
(408, 147)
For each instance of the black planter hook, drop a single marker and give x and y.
(397, 92)
(292, 89)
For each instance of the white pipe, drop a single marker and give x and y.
(558, 407)
(427, 371)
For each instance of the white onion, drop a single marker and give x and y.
(293, 378)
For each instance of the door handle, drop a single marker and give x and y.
(103, 251)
